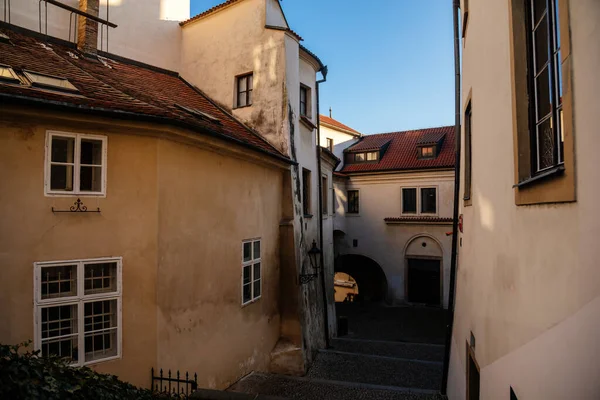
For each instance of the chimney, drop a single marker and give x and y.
(87, 32)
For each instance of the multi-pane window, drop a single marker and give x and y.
(306, 195)
(251, 271)
(359, 157)
(75, 164)
(428, 200)
(467, 194)
(545, 85)
(244, 90)
(330, 144)
(324, 191)
(409, 200)
(353, 202)
(77, 309)
(304, 101)
(426, 152)
(425, 197)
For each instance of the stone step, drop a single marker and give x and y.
(376, 370)
(414, 351)
(318, 389)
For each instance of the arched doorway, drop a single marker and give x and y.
(369, 276)
(345, 288)
(423, 271)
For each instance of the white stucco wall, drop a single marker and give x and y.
(341, 141)
(528, 281)
(274, 15)
(148, 30)
(380, 197)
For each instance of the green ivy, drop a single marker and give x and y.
(27, 375)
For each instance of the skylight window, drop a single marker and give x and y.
(7, 74)
(49, 82)
(199, 114)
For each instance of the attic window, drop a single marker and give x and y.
(49, 82)
(426, 152)
(199, 114)
(7, 74)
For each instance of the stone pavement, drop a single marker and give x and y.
(389, 353)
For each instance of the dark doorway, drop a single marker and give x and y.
(424, 281)
(472, 375)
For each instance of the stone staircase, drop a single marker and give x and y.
(359, 369)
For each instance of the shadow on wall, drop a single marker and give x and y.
(367, 274)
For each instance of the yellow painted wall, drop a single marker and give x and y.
(177, 214)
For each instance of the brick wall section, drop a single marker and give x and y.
(87, 33)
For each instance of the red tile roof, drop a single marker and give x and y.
(401, 153)
(325, 120)
(116, 85)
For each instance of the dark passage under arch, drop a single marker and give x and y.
(369, 276)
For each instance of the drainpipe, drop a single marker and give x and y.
(323, 71)
(451, 294)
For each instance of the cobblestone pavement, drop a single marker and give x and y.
(389, 353)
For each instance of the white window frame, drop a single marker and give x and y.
(80, 300)
(76, 165)
(250, 264)
(419, 211)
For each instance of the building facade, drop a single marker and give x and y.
(169, 209)
(528, 287)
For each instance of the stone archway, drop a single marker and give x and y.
(369, 276)
(423, 272)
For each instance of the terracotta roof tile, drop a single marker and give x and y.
(119, 85)
(337, 124)
(401, 153)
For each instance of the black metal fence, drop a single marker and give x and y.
(175, 385)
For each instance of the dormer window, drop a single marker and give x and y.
(372, 156)
(49, 82)
(359, 157)
(427, 152)
(8, 75)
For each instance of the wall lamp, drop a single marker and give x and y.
(313, 255)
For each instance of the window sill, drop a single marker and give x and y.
(307, 122)
(308, 216)
(556, 171)
(66, 194)
(246, 106)
(251, 301)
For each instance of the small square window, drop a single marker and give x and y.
(409, 200)
(353, 202)
(359, 157)
(428, 200)
(251, 271)
(427, 152)
(244, 88)
(372, 156)
(330, 144)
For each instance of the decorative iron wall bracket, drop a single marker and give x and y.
(78, 206)
(306, 278)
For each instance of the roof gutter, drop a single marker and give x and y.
(451, 295)
(125, 115)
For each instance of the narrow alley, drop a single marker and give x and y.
(388, 353)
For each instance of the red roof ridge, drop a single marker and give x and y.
(335, 123)
(209, 11)
(410, 130)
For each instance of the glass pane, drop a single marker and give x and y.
(58, 281)
(247, 296)
(428, 201)
(247, 251)
(302, 108)
(546, 144)
(359, 157)
(90, 179)
(242, 99)
(541, 45)
(100, 278)
(372, 156)
(61, 177)
(256, 271)
(59, 321)
(302, 95)
(556, 25)
(257, 289)
(559, 80)
(100, 315)
(63, 149)
(539, 7)
(242, 84)
(543, 100)
(250, 82)
(562, 134)
(256, 250)
(99, 345)
(91, 152)
(409, 200)
(249, 97)
(247, 277)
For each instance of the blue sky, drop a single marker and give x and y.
(390, 61)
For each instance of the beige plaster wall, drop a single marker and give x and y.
(380, 197)
(527, 275)
(148, 30)
(205, 213)
(341, 141)
(232, 42)
(126, 227)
